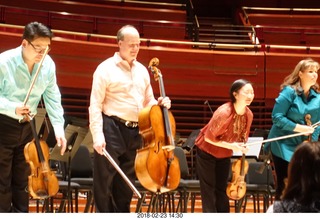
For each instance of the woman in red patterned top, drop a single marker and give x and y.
(227, 131)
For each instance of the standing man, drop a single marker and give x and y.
(120, 90)
(18, 67)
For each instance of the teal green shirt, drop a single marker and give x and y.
(290, 109)
(15, 81)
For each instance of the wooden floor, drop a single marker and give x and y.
(145, 207)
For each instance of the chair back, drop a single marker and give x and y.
(261, 133)
(81, 164)
(184, 170)
(260, 174)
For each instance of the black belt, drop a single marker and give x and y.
(127, 123)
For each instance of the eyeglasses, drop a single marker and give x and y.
(38, 49)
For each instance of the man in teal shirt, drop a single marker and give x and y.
(18, 69)
(298, 102)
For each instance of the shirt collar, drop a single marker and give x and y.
(119, 59)
(123, 64)
(19, 58)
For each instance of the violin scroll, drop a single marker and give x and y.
(307, 119)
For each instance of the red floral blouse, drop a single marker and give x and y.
(225, 125)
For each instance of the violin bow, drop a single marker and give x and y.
(315, 125)
(33, 81)
(277, 138)
(115, 165)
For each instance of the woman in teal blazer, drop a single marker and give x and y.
(299, 99)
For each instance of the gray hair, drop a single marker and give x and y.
(123, 30)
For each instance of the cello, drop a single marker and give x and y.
(156, 166)
(42, 182)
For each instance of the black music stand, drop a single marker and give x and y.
(254, 149)
(189, 143)
(74, 135)
(69, 131)
(188, 146)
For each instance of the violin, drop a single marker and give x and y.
(307, 119)
(42, 182)
(237, 187)
(156, 166)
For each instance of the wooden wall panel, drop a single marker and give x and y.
(100, 10)
(206, 73)
(186, 72)
(278, 66)
(281, 38)
(9, 40)
(155, 29)
(76, 61)
(284, 20)
(23, 16)
(312, 39)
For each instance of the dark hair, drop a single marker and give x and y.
(303, 182)
(236, 86)
(35, 30)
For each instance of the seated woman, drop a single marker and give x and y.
(302, 187)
